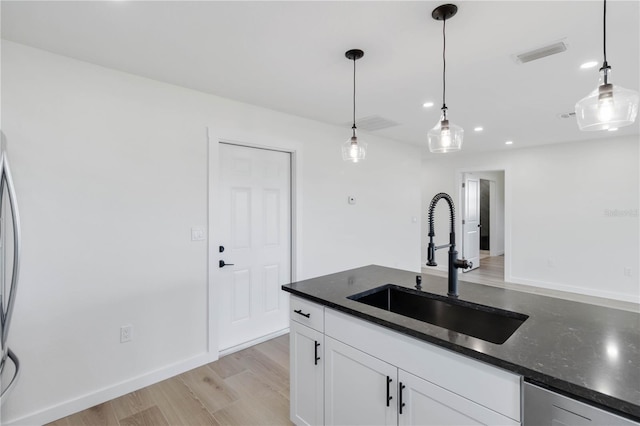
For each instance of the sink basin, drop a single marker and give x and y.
(483, 322)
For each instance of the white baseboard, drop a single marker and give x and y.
(71, 406)
(253, 342)
(579, 294)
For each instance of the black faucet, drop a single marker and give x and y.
(454, 262)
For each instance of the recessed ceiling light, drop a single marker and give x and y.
(427, 104)
(588, 65)
(478, 129)
(613, 129)
(508, 143)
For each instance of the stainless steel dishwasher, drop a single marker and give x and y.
(543, 407)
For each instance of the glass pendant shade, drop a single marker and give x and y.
(353, 149)
(445, 137)
(607, 107)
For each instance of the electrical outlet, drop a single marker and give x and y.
(627, 271)
(126, 333)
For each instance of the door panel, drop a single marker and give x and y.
(471, 223)
(255, 230)
(271, 280)
(241, 295)
(240, 218)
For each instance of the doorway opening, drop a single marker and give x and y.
(483, 222)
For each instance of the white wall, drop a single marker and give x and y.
(571, 213)
(111, 174)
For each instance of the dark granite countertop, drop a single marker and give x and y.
(589, 352)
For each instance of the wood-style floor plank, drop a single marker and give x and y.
(212, 391)
(150, 417)
(179, 405)
(99, 415)
(228, 366)
(268, 409)
(132, 403)
(277, 350)
(269, 371)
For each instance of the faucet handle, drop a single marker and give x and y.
(463, 263)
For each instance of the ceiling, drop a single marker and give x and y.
(289, 56)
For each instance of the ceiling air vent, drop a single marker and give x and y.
(373, 123)
(541, 52)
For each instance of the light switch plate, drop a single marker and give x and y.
(197, 234)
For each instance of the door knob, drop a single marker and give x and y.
(222, 264)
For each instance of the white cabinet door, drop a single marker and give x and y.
(307, 375)
(359, 389)
(427, 404)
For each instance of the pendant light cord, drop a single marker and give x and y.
(444, 66)
(605, 65)
(354, 97)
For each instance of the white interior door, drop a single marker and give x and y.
(471, 222)
(255, 231)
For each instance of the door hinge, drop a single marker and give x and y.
(464, 221)
(463, 184)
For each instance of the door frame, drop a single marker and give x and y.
(460, 178)
(214, 139)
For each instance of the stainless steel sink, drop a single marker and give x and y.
(483, 322)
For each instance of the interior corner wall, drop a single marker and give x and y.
(111, 173)
(571, 213)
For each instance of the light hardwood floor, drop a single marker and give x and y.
(249, 387)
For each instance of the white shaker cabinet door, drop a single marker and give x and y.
(307, 375)
(424, 403)
(359, 389)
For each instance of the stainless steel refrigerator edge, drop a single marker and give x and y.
(9, 271)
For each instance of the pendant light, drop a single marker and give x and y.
(353, 149)
(445, 136)
(608, 106)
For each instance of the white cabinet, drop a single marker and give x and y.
(476, 384)
(424, 403)
(306, 363)
(359, 389)
(347, 371)
(363, 390)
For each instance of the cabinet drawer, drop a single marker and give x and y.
(307, 313)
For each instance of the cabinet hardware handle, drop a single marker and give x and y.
(222, 264)
(317, 357)
(299, 312)
(400, 403)
(389, 397)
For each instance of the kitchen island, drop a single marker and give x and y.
(588, 352)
